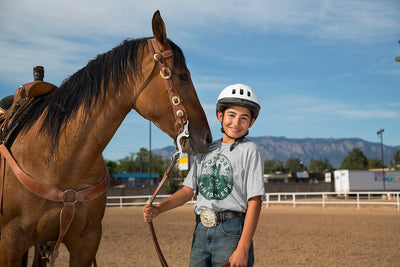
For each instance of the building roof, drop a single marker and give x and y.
(134, 175)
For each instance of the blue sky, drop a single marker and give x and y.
(322, 69)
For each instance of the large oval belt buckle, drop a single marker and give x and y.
(208, 218)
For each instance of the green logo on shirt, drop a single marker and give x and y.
(216, 180)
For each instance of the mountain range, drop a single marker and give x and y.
(335, 150)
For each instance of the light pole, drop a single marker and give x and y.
(380, 132)
(397, 58)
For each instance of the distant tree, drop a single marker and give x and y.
(396, 157)
(175, 177)
(355, 160)
(111, 166)
(273, 166)
(127, 164)
(374, 163)
(318, 165)
(172, 185)
(139, 162)
(328, 165)
(294, 165)
(142, 160)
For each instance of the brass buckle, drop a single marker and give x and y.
(165, 73)
(208, 218)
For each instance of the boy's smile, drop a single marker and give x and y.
(236, 121)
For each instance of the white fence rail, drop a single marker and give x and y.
(121, 201)
(333, 198)
(294, 199)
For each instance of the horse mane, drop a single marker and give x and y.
(85, 87)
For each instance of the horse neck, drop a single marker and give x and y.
(79, 150)
(77, 158)
(88, 141)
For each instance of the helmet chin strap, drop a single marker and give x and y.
(237, 140)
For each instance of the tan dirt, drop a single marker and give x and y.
(304, 236)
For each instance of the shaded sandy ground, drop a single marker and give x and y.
(305, 236)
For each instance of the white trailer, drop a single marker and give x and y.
(351, 181)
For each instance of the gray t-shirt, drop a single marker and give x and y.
(224, 179)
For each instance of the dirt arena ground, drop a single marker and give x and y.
(304, 236)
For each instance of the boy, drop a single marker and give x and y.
(228, 181)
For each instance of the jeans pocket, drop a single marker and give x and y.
(197, 227)
(232, 227)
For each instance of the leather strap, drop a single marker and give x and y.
(153, 233)
(146, 82)
(2, 175)
(158, 58)
(69, 197)
(67, 214)
(53, 193)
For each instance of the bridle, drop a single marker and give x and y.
(180, 118)
(158, 58)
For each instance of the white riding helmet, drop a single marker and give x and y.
(239, 95)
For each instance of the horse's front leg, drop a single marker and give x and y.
(83, 249)
(12, 246)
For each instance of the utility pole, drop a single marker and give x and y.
(380, 132)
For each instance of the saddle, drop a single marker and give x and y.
(25, 95)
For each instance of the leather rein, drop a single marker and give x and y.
(180, 117)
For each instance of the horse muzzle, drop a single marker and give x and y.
(193, 142)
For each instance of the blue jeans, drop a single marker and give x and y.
(213, 246)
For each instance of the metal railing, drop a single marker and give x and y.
(121, 201)
(334, 198)
(294, 199)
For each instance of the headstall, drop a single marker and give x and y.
(158, 58)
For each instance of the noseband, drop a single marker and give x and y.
(175, 100)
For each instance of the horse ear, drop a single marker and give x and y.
(159, 28)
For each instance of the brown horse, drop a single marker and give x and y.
(61, 145)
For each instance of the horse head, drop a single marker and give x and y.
(171, 88)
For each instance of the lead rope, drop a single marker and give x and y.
(153, 233)
(174, 160)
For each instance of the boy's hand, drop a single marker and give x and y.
(150, 212)
(239, 258)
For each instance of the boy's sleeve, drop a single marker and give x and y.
(191, 178)
(255, 181)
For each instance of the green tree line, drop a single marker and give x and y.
(139, 162)
(355, 160)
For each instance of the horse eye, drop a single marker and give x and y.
(184, 77)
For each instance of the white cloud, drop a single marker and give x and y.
(306, 108)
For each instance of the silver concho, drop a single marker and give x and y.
(208, 218)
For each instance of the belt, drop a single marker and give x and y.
(225, 215)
